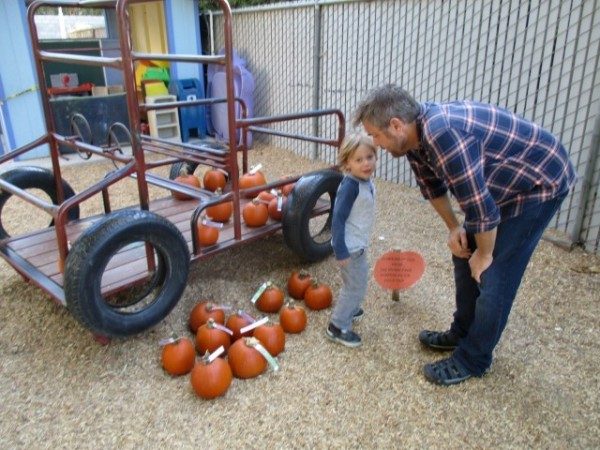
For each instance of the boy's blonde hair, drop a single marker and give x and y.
(351, 143)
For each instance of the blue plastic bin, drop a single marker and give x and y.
(191, 118)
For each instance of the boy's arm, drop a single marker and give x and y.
(344, 200)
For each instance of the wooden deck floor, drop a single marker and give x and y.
(35, 255)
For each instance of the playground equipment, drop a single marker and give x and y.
(123, 271)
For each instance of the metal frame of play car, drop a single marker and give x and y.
(123, 271)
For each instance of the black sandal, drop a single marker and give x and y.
(446, 372)
(438, 340)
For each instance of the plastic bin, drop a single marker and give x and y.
(191, 118)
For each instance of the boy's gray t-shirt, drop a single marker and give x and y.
(353, 216)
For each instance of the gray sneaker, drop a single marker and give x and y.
(358, 315)
(348, 337)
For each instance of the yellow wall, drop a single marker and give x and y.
(149, 33)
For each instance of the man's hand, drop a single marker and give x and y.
(457, 242)
(478, 263)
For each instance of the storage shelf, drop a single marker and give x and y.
(164, 123)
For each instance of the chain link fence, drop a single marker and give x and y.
(539, 58)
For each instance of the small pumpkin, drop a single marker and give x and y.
(274, 212)
(221, 212)
(272, 337)
(203, 311)
(178, 356)
(265, 196)
(237, 321)
(292, 318)
(287, 188)
(214, 179)
(209, 338)
(271, 300)
(245, 360)
(255, 214)
(318, 296)
(298, 283)
(211, 379)
(188, 179)
(207, 235)
(252, 178)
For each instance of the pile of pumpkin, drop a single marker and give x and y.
(267, 204)
(248, 344)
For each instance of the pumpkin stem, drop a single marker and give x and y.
(303, 274)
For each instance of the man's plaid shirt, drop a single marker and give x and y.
(494, 162)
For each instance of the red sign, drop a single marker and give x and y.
(399, 270)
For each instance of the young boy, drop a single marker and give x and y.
(353, 214)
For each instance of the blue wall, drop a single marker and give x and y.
(19, 94)
(183, 36)
(183, 28)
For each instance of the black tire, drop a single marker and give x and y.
(136, 308)
(186, 167)
(310, 245)
(31, 177)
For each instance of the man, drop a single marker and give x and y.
(509, 177)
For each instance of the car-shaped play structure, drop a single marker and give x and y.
(121, 272)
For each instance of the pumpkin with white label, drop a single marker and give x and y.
(237, 321)
(211, 336)
(245, 360)
(203, 311)
(207, 234)
(272, 337)
(211, 379)
(271, 300)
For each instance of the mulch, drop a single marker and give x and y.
(61, 389)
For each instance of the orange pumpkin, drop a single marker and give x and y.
(252, 179)
(265, 196)
(245, 360)
(271, 300)
(211, 379)
(274, 212)
(318, 296)
(236, 322)
(292, 318)
(202, 312)
(188, 179)
(221, 212)
(298, 283)
(255, 214)
(209, 338)
(178, 357)
(207, 235)
(214, 179)
(272, 337)
(287, 188)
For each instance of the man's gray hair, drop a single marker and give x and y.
(384, 103)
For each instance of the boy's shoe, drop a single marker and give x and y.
(438, 340)
(348, 338)
(358, 315)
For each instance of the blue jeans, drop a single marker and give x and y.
(355, 276)
(482, 309)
